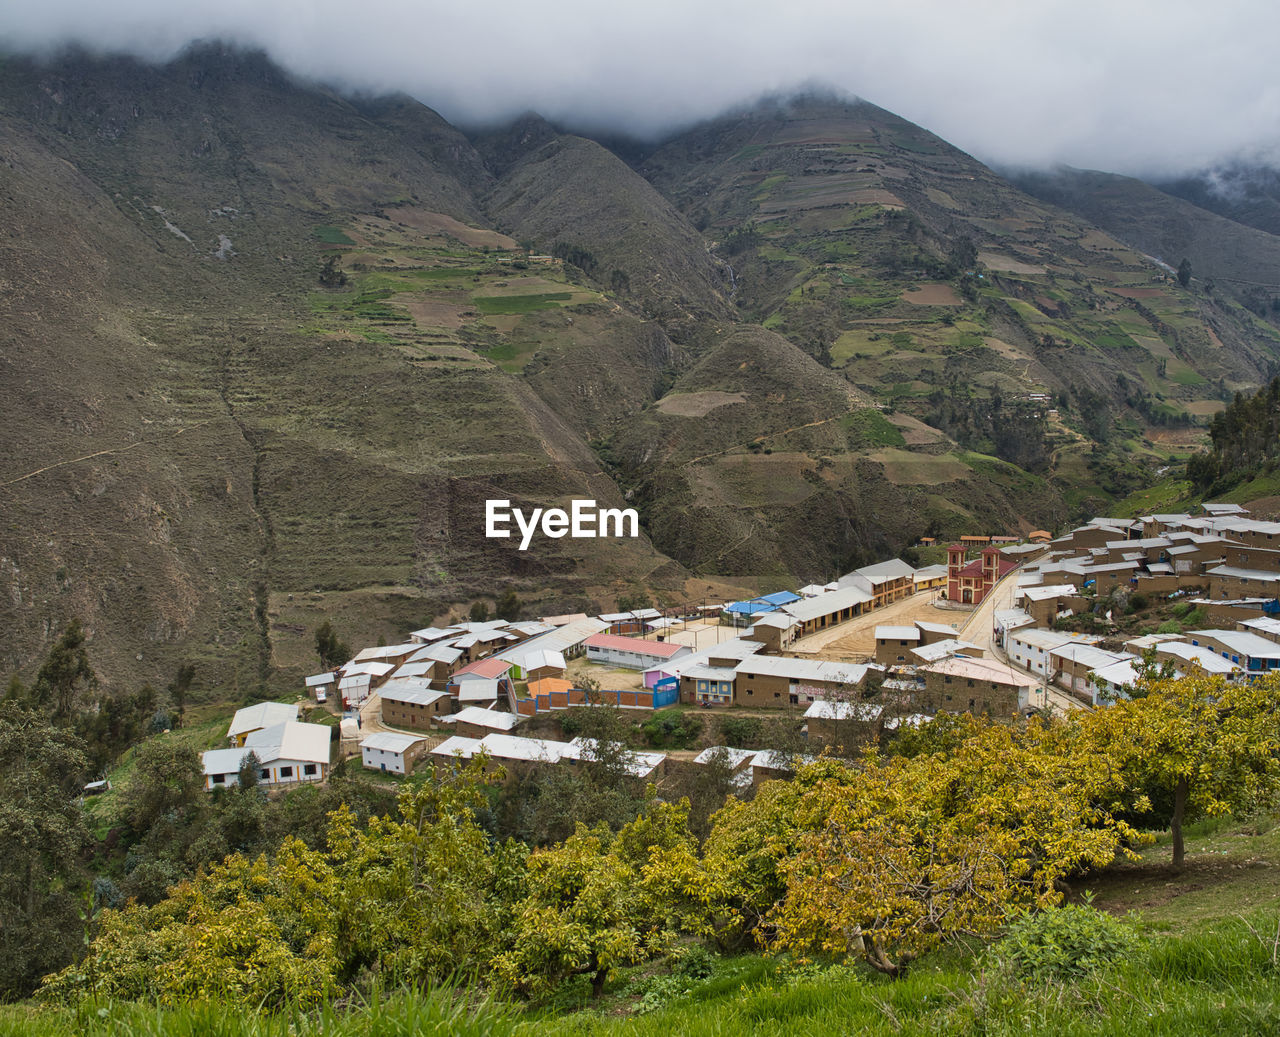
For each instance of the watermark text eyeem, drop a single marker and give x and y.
(585, 519)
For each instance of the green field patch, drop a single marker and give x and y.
(511, 356)
(446, 273)
(1264, 485)
(331, 235)
(914, 144)
(1171, 494)
(1026, 311)
(1186, 376)
(1115, 339)
(870, 303)
(767, 185)
(869, 428)
(494, 304)
(859, 343)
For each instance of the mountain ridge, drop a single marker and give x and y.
(302, 332)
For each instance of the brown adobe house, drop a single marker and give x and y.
(970, 582)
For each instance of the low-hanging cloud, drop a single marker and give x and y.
(1144, 86)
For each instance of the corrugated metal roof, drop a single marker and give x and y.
(618, 643)
(390, 742)
(495, 719)
(262, 714)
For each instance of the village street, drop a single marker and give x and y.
(855, 641)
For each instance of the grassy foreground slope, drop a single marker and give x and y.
(1204, 963)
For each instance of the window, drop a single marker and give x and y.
(219, 779)
(309, 769)
(286, 772)
(265, 775)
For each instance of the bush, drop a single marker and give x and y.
(1064, 943)
(741, 732)
(672, 730)
(1171, 626)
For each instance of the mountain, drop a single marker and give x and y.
(211, 451)
(1242, 261)
(1245, 192)
(271, 348)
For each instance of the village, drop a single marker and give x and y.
(1002, 629)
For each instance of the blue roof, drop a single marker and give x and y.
(749, 608)
(778, 598)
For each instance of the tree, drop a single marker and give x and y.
(247, 933)
(118, 721)
(901, 855)
(479, 612)
(178, 688)
(250, 769)
(331, 274)
(43, 833)
(508, 606)
(634, 601)
(333, 653)
(596, 902)
(65, 670)
(168, 776)
(1184, 272)
(1207, 746)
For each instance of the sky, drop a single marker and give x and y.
(1146, 87)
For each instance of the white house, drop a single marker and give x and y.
(256, 717)
(288, 753)
(388, 751)
(632, 652)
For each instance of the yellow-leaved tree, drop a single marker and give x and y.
(1202, 745)
(912, 851)
(594, 902)
(257, 933)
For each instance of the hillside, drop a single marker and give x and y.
(1246, 192)
(265, 452)
(271, 348)
(1243, 261)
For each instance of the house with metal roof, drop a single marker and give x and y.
(830, 609)
(960, 685)
(413, 703)
(1253, 653)
(894, 643)
(288, 753)
(633, 653)
(843, 723)
(392, 752)
(258, 716)
(886, 582)
(476, 722)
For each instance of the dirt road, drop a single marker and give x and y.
(855, 641)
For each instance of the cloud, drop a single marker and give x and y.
(1140, 87)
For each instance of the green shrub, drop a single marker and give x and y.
(671, 729)
(1171, 626)
(741, 732)
(1064, 943)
